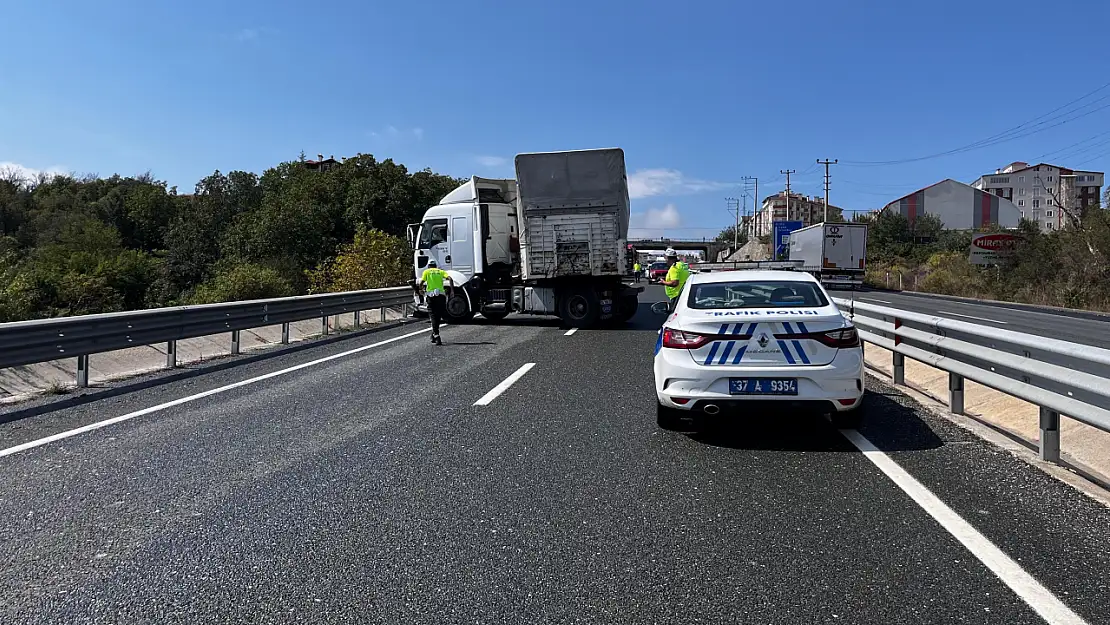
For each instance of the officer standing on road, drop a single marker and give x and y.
(636, 270)
(677, 274)
(432, 281)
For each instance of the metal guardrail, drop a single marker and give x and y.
(1060, 377)
(43, 340)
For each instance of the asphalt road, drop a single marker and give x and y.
(369, 488)
(1065, 326)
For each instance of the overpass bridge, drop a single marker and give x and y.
(710, 249)
(516, 474)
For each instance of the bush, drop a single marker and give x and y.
(375, 260)
(242, 282)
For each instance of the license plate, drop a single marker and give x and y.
(763, 386)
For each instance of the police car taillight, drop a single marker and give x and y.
(677, 339)
(842, 338)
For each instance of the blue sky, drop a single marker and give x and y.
(698, 94)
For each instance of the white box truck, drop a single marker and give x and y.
(553, 241)
(835, 253)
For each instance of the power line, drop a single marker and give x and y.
(1006, 135)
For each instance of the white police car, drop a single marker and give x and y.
(773, 337)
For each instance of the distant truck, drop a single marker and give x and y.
(551, 242)
(836, 254)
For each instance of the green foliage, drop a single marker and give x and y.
(239, 282)
(374, 260)
(1069, 267)
(83, 245)
(728, 236)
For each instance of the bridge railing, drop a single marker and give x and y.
(44, 340)
(1060, 377)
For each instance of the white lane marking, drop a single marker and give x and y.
(872, 299)
(570, 332)
(184, 400)
(504, 385)
(955, 314)
(1041, 599)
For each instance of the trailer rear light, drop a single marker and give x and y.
(677, 339)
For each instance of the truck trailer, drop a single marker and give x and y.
(552, 241)
(835, 254)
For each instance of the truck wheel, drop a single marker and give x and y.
(458, 309)
(580, 309)
(495, 315)
(629, 305)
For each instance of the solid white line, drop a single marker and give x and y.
(954, 314)
(1043, 602)
(570, 332)
(504, 386)
(184, 400)
(871, 299)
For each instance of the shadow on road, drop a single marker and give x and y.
(888, 424)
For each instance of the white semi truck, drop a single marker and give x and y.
(836, 254)
(553, 241)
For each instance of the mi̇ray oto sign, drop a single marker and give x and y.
(992, 249)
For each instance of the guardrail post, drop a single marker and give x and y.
(899, 368)
(285, 333)
(324, 325)
(234, 342)
(955, 393)
(1050, 435)
(171, 354)
(83, 371)
(382, 311)
(358, 317)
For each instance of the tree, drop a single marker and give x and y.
(728, 235)
(374, 260)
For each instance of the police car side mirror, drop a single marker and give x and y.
(660, 308)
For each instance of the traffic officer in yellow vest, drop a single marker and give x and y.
(678, 273)
(432, 282)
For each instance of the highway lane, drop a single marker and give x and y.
(1061, 326)
(369, 488)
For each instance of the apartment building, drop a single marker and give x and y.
(808, 210)
(1043, 192)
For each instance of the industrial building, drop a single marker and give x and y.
(959, 206)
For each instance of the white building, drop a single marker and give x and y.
(958, 206)
(808, 210)
(1039, 190)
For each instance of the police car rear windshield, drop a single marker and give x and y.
(755, 294)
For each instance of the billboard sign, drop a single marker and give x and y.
(993, 248)
(780, 236)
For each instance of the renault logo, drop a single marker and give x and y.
(763, 340)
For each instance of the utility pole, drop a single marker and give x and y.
(826, 163)
(755, 201)
(787, 172)
(735, 210)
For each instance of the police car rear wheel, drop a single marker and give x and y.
(668, 418)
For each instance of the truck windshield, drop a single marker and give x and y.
(432, 233)
(761, 294)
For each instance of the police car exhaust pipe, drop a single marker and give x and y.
(711, 409)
